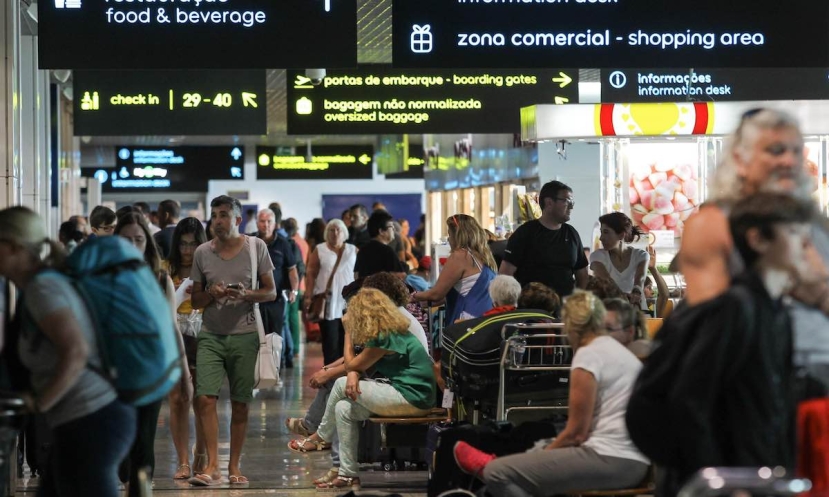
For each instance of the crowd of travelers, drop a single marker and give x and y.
(751, 325)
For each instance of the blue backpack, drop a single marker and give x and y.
(132, 319)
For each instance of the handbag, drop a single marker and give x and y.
(319, 302)
(266, 373)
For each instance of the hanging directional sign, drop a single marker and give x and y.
(196, 34)
(610, 33)
(712, 84)
(120, 103)
(377, 99)
(325, 162)
(171, 169)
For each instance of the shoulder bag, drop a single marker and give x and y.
(266, 374)
(319, 302)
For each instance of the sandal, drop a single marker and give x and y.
(205, 480)
(238, 480)
(182, 473)
(341, 483)
(328, 477)
(297, 426)
(299, 445)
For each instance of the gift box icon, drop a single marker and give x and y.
(421, 40)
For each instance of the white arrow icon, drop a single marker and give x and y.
(236, 153)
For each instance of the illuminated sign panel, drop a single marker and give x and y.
(326, 162)
(196, 34)
(120, 103)
(376, 99)
(610, 33)
(665, 85)
(174, 169)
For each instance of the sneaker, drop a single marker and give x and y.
(471, 460)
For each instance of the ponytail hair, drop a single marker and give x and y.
(622, 225)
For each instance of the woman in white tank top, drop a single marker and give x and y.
(617, 260)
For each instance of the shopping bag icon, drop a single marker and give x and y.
(421, 38)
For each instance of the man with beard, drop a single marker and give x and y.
(765, 153)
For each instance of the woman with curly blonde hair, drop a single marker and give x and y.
(464, 279)
(594, 450)
(376, 323)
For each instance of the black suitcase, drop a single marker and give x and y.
(472, 353)
(404, 446)
(499, 438)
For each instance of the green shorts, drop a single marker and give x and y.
(231, 354)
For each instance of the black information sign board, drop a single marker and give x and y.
(113, 103)
(376, 99)
(173, 169)
(326, 162)
(196, 34)
(666, 85)
(610, 33)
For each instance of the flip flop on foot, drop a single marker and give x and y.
(205, 480)
(303, 445)
(238, 480)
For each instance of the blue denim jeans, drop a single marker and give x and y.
(343, 416)
(86, 453)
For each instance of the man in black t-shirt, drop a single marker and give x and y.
(376, 256)
(548, 250)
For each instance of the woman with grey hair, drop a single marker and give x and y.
(504, 291)
(330, 269)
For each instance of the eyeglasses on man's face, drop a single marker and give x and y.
(570, 202)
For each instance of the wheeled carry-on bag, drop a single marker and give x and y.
(472, 352)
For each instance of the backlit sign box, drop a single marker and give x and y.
(713, 84)
(173, 169)
(196, 34)
(377, 99)
(610, 33)
(121, 103)
(326, 162)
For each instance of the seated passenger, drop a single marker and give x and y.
(594, 450)
(604, 288)
(626, 323)
(376, 323)
(419, 279)
(537, 295)
(504, 292)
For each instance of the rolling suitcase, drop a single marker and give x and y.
(472, 352)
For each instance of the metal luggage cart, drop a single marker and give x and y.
(711, 482)
(542, 352)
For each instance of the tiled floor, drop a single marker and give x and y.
(272, 469)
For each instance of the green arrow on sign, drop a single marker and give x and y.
(249, 99)
(562, 100)
(365, 159)
(563, 80)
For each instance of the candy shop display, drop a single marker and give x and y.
(664, 185)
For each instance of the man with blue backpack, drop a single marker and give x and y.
(225, 274)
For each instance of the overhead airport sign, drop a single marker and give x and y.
(666, 85)
(326, 162)
(121, 103)
(610, 33)
(377, 99)
(196, 34)
(173, 169)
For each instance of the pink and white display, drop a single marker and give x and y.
(664, 185)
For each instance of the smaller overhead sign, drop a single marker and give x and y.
(377, 99)
(173, 169)
(712, 84)
(325, 162)
(122, 103)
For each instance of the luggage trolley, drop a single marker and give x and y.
(542, 353)
(709, 482)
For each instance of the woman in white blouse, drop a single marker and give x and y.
(321, 264)
(617, 260)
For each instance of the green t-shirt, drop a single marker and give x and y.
(409, 368)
